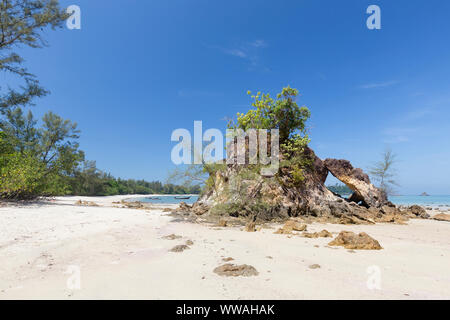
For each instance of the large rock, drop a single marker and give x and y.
(364, 191)
(418, 211)
(240, 191)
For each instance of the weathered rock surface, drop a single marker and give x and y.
(222, 223)
(250, 227)
(241, 192)
(86, 203)
(350, 240)
(200, 209)
(227, 259)
(294, 226)
(321, 234)
(183, 208)
(172, 237)
(418, 211)
(179, 248)
(291, 225)
(232, 270)
(364, 191)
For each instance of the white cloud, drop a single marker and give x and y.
(378, 84)
(236, 52)
(248, 51)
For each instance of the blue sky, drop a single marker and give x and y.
(138, 69)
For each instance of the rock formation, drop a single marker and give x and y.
(295, 191)
(365, 193)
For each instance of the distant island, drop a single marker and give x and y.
(424, 194)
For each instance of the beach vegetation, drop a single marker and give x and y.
(340, 189)
(282, 113)
(384, 173)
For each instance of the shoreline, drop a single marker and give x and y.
(121, 254)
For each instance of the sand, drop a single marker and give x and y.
(56, 250)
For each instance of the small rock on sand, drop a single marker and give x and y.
(227, 259)
(442, 217)
(133, 205)
(189, 243)
(172, 237)
(222, 223)
(250, 227)
(314, 266)
(232, 270)
(350, 240)
(321, 234)
(179, 248)
(86, 203)
(291, 225)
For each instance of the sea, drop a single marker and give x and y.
(432, 201)
(421, 200)
(167, 199)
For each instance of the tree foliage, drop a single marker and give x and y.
(90, 181)
(282, 113)
(21, 25)
(35, 158)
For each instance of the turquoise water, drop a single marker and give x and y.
(399, 200)
(420, 200)
(167, 199)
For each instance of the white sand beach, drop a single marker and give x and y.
(120, 254)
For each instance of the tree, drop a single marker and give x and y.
(383, 171)
(50, 150)
(33, 160)
(20, 176)
(194, 176)
(282, 113)
(21, 24)
(19, 129)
